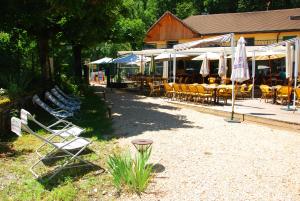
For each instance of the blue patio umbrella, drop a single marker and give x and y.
(126, 59)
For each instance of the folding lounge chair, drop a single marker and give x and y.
(57, 113)
(59, 104)
(69, 97)
(62, 127)
(64, 100)
(76, 145)
(68, 130)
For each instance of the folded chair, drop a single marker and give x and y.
(65, 100)
(67, 96)
(71, 149)
(62, 127)
(52, 99)
(57, 113)
(67, 131)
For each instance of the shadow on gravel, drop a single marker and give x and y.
(135, 116)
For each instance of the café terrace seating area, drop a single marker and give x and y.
(219, 93)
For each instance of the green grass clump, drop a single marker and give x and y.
(18, 154)
(134, 173)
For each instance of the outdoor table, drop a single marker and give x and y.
(142, 144)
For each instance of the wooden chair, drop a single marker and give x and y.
(246, 91)
(204, 94)
(224, 92)
(169, 91)
(297, 91)
(266, 92)
(211, 80)
(283, 93)
(193, 92)
(178, 91)
(185, 91)
(154, 89)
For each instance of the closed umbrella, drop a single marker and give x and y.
(222, 65)
(240, 71)
(204, 70)
(289, 61)
(289, 68)
(152, 65)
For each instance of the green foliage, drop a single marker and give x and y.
(66, 192)
(133, 173)
(185, 9)
(69, 84)
(120, 167)
(16, 85)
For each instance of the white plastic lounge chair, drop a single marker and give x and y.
(64, 100)
(68, 130)
(57, 113)
(76, 145)
(62, 127)
(69, 97)
(59, 104)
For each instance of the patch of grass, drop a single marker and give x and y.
(17, 183)
(134, 173)
(66, 192)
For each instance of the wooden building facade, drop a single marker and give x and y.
(258, 28)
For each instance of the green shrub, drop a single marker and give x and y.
(16, 85)
(132, 173)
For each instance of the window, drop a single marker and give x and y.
(249, 41)
(288, 37)
(150, 46)
(171, 43)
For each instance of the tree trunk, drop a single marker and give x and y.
(77, 62)
(86, 74)
(43, 46)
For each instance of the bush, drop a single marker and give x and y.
(132, 173)
(16, 85)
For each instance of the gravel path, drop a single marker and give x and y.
(202, 157)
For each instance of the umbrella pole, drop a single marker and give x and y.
(270, 70)
(253, 73)
(232, 104)
(296, 64)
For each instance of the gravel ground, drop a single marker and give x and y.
(201, 157)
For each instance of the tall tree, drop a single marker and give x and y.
(86, 23)
(38, 19)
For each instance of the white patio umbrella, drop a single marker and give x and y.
(204, 70)
(222, 65)
(240, 71)
(167, 56)
(104, 60)
(208, 55)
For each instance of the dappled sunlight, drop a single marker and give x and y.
(138, 114)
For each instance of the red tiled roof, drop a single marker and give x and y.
(248, 22)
